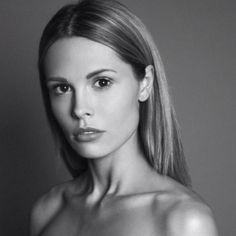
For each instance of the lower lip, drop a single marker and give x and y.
(87, 137)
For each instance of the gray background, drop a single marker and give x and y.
(197, 43)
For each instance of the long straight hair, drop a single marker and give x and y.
(110, 23)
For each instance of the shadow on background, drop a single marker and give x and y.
(28, 165)
(26, 154)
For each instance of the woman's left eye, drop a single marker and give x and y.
(103, 82)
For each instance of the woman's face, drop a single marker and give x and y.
(90, 86)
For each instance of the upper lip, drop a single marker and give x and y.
(88, 129)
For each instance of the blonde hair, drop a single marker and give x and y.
(112, 24)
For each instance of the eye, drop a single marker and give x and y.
(103, 82)
(61, 88)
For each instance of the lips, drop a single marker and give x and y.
(87, 134)
(88, 130)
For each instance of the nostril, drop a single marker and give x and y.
(80, 114)
(79, 111)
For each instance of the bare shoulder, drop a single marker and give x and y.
(191, 218)
(186, 214)
(47, 207)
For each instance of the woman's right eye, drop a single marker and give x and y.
(61, 88)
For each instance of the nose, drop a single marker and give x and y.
(81, 105)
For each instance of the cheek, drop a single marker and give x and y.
(122, 111)
(61, 111)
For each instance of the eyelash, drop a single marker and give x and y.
(57, 88)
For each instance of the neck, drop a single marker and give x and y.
(119, 173)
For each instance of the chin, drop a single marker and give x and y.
(91, 152)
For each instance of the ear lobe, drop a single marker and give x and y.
(146, 84)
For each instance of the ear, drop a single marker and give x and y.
(146, 84)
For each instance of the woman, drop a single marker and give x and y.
(107, 102)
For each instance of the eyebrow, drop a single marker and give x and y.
(91, 74)
(88, 76)
(56, 79)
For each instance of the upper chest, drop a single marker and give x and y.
(125, 217)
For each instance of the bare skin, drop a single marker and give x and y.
(120, 194)
(70, 209)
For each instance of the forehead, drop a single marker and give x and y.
(81, 55)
